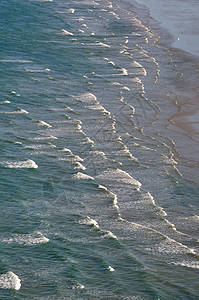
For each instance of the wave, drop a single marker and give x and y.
(10, 280)
(63, 31)
(45, 124)
(89, 221)
(111, 269)
(31, 239)
(120, 176)
(4, 102)
(26, 164)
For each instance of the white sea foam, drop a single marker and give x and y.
(4, 102)
(63, 31)
(126, 150)
(17, 143)
(71, 10)
(78, 286)
(109, 234)
(114, 14)
(117, 84)
(38, 70)
(124, 71)
(122, 87)
(31, 239)
(87, 98)
(149, 197)
(102, 44)
(136, 64)
(169, 161)
(10, 280)
(88, 140)
(111, 269)
(188, 264)
(80, 19)
(74, 157)
(27, 164)
(126, 88)
(120, 176)
(78, 165)
(102, 187)
(14, 93)
(101, 153)
(42, 123)
(15, 60)
(77, 158)
(89, 221)
(80, 175)
(109, 61)
(40, 146)
(99, 107)
(50, 137)
(19, 111)
(169, 245)
(66, 150)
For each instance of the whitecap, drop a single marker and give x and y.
(169, 245)
(10, 280)
(114, 14)
(42, 123)
(89, 221)
(66, 150)
(102, 187)
(26, 164)
(14, 93)
(19, 111)
(22, 111)
(77, 158)
(71, 10)
(86, 97)
(50, 137)
(111, 269)
(124, 71)
(38, 70)
(31, 239)
(80, 175)
(188, 264)
(4, 102)
(109, 234)
(103, 44)
(126, 88)
(79, 166)
(120, 176)
(66, 32)
(78, 286)
(88, 140)
(17, 143)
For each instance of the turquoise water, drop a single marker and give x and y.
(94, 200)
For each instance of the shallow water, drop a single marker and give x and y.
(96, 202)
(181, 18)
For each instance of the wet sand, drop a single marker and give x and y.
(177, 28)
(180, 18)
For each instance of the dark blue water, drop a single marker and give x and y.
(95, 198)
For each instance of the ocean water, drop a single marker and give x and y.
(99, 179)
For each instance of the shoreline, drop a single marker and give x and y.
(181, 27)
(184, 91)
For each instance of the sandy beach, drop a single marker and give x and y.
(180, 18)
(176, 24)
